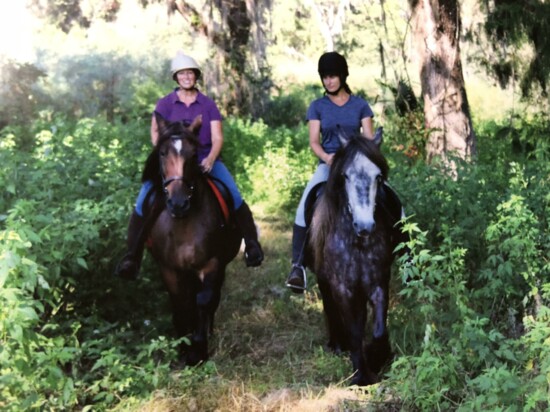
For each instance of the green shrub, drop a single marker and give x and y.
(468, 319)
(289, 108)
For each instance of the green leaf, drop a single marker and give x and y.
(82, 263)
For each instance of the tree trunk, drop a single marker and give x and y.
(330, 18)
(436, 28)
(238, 73)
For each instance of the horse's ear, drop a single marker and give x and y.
(195, 124)
(342, 136)
(162, 123)
(379, 136)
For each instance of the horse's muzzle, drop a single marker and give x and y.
(364, 229)
(178, 208)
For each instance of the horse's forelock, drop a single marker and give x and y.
(166, 132)
(368, 148)
(176, 129)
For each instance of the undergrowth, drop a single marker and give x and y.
(469, 314)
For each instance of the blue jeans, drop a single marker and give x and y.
(320, 175)
(219, 171)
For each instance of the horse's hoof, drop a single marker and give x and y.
(336, 349)
(364, 379)
(196, 353)
(193, 361)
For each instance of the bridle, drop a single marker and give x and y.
(167, 180)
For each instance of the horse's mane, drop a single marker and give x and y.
(167, 130)
(331, 202)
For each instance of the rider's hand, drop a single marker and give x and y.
(207, 164)
(328, 158)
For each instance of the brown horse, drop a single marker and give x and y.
(190, 240)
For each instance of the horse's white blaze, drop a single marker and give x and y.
(361, 186)
(177, 145)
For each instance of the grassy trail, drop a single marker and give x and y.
(267, 350)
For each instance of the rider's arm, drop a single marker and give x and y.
(315, 141)
(154, 131)
(367, 128)
(217, 143)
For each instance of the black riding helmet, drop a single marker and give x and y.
(333, 64)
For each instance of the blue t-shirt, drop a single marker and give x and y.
(337, 120)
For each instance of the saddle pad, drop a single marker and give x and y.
(221, 200)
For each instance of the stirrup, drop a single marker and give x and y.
(295, 288)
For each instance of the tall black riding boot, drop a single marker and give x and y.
(128, 267)
(253, 252)
(297, 280)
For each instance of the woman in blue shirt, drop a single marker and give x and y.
(338, 112)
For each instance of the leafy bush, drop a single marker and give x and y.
(289, 108)
(473, 292)
(469, 319)
(271, 166)
(65, 201)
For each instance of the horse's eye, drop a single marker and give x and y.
(163, 153)
(345, 176)
(379, 179)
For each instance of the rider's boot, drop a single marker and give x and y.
(253, 252)
(297, 280)
(128, 267)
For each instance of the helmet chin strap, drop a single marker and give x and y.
(333, 93)
(342, 86)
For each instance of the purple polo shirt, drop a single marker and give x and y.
(171, 108)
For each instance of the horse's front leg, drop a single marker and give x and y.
(182, 299)
(207, 299)
(379, 350)
(337, 338)
(353, 311)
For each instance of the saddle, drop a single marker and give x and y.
(311, 201)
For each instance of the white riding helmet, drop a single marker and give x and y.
(182, 62)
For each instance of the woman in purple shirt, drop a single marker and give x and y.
(185, 103)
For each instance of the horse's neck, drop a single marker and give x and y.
(205, 197)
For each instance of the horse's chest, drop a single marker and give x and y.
(185, 245)
(346, 253)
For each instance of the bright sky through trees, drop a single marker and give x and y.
(16, 34)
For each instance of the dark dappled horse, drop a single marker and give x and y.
(351, 243)
(190, 240)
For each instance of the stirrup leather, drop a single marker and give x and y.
(304, 276)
